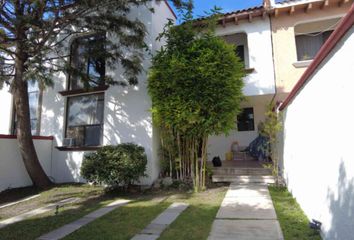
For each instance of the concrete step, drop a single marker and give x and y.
(242, 171)
(244, 179)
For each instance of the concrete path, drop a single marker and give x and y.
(19, 201)
(159, 224)
(71, 227)
(37, 211)
(246, 213)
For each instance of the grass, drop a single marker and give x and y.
(122, 223)
(293, 221)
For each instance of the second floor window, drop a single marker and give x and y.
(307, 45)
(240, 52)
(88, 62)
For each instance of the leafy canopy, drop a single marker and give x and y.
(39, 33)
(196, 82)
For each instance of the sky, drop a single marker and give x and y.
(227, 5)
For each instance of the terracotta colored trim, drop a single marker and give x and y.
(5, 136)
(169, 6)
(78, 149)
(345, 25)
(249, 70)
(82, 91)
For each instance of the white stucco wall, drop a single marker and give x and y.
(126, 114)
(6, 110)
(261, 80)
(12, 170)
(318, 143)
(219, 145)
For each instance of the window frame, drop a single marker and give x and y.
(324, 38)
(101, 124)
(70, 77)
(38, 113)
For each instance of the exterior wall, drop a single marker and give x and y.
(219, 145)
(126, 114)
(318, 131)
(6, 110)
(284, 45)
(261, 80)
(12, 170)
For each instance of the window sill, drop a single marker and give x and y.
(81, 91)
(78, 149)
(249, 70)
(302, 64)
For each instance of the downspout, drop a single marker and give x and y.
(272, 43)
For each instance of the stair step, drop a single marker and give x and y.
(244, 179)
(242, 171)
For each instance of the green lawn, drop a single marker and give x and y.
(293, 221)
(122, 223)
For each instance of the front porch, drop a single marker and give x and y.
(242, 171)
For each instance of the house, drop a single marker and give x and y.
(102, 116)
(316, 142)
(276, 41)
(268, 38)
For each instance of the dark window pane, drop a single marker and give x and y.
(245, 120)
(240, 52)
(91, 133)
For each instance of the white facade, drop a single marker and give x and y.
(259, 50)
(259, 86)
(318, 143)
(126, 111)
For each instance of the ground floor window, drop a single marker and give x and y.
(34, 99)
(84, 120)
(245, 120)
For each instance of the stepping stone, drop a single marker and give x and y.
(37, 211)
(246, 230)
(159, 224)
(20, 201)
(72, 227)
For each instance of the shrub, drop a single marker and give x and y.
(119, 165)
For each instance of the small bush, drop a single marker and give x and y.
(119, 165)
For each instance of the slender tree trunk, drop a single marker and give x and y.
(23, 128)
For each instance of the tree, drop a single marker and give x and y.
(33, 47)
(196, 87)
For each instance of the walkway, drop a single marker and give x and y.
(72, 227)
(246, 213)
(159, 224)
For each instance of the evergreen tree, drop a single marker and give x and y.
(33, 47)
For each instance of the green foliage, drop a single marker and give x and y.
(197, 88)
(195, 83)
(115, 165)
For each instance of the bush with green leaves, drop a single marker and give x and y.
(119, 165)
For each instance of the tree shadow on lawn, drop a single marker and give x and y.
(34, 227)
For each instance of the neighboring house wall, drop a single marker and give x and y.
(12, 170)
(259, 86)
(6, 110)
(287, 68)
(318, 147)
(261, 80)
